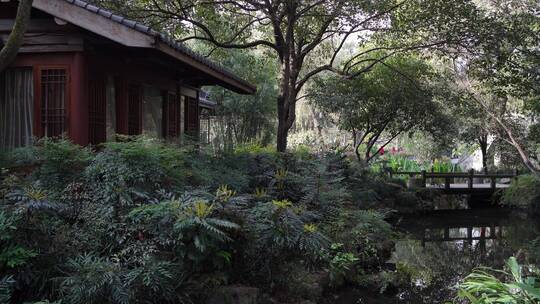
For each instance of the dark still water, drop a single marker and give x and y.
(436, 250)
(440, 248)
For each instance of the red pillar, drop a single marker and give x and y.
(79, 100)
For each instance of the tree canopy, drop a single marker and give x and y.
(376, 107)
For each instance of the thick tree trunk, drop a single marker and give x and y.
(15, 39)
(282, 137)
(483, 141)
(286, 106)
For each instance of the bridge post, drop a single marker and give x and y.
(423, 178)
(471, 177)
(493, 182)
(447, 183)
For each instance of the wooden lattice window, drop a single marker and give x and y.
(192, 119)
(97, 115)
(53, 99)
(171, 116)
(135, 110)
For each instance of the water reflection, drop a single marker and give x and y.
(438, 250)
(465, 237)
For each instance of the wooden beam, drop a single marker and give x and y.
(36, 25)
(48, 39)
(50, 48)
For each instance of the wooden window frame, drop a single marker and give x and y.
(95, 117)
(166, 114)
(37, 72)
(187, 117)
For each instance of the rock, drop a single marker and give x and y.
(234, 295)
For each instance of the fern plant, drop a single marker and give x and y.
(91, 279)
(323, 184)
(191, 225)
(6, 284)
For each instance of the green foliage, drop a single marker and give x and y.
(254, 148)
(5, 289)
(485, 286)
(244, 119)
(340, 263)
(145, 222)
(192, 224)
(400, 163)
(364, 233)
(381, 104)
(323, 183)
(524, 192)
(58, 161)
(91, 279)
(12, 255)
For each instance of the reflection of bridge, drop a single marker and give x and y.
(459, 182)
(457, 225)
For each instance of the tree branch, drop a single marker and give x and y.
(11, 48)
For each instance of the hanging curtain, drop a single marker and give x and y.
(16, 108)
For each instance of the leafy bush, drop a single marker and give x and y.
(57, 161)
(524, 192)
(142, 221)
(366, 234)
(485, 286)
(340, 263)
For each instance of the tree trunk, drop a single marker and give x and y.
(483, 141)
(522, 154)
(282, 137)
(357, 152)
(10, 49)
(286, 108)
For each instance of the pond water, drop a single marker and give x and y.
(438, 249)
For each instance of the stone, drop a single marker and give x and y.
(234, 295)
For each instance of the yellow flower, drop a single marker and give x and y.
(282, 204)
(310, 228)
(260, 192)
(35, 193)
(202, 209)
(281, 174)
(223, 193)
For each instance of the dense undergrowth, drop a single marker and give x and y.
(524, 192)
(140, 221)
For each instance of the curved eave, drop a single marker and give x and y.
(133, 34)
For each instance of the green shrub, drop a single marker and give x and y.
(523, 192)
(192, 224)
(279, 234)
(57, 161)
(6, 284)
(340, 263)
(485, 285)
(142, 221)
(364, 233)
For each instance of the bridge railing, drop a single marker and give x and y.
(449, 177)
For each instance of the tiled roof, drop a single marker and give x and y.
(179, 47)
